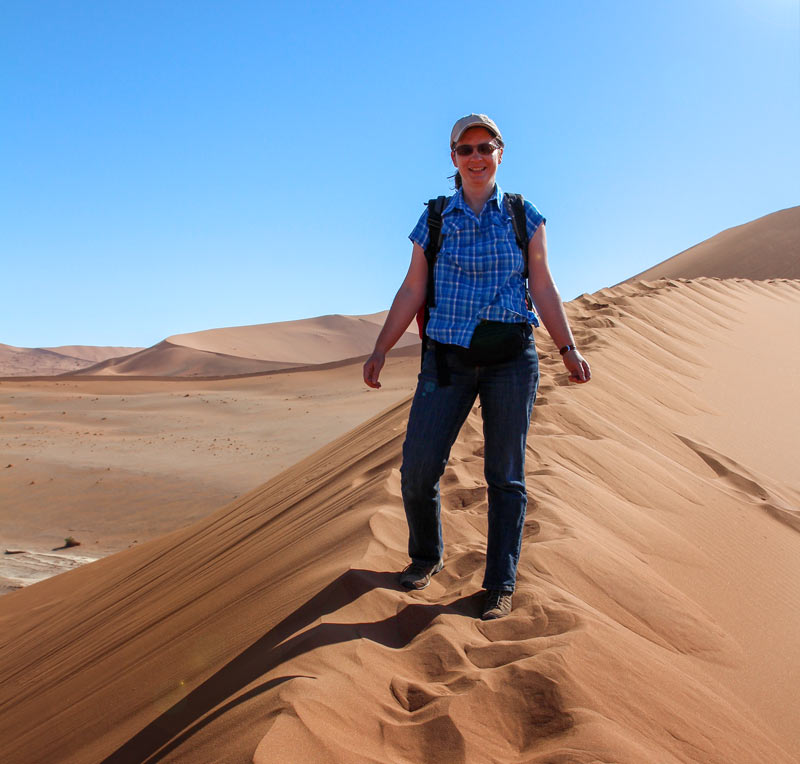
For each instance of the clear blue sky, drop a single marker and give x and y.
(169, 167)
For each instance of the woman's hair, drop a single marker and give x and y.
(457, 176)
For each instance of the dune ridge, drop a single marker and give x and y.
(274, 629)
(765, 248)
(213, 353)
(306, 341)
(167, 359)
(239, 350)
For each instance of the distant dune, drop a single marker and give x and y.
(766, 248)
(93, 353)
(224, 352)
(169, 360)
(657, 609)
(252, 349)
(298, 343)
(17, 362)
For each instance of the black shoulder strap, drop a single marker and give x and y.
(435, 209)
(516, 208)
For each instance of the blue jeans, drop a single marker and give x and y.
(507, 392)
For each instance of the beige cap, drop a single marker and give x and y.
(472, 120)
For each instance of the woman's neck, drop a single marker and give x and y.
(476, 198)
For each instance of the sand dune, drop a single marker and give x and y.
(16, 362)
(658, 560)
(766, 248)
(93, 353)
(169, 360)
(254, 349)
(299, 343)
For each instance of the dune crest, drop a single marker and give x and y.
(167, 359)
(240, 350)
(274, 628)
(303, 342)
(765, 248)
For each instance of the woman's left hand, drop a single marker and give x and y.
(577, 366)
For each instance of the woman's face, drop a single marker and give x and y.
(477, 170)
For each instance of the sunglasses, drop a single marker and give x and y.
(465, 150)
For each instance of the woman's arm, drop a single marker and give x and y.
(407, 302)
(550, 308)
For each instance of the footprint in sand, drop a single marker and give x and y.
(462, 561)
(465, 499)
(478, 450)
(522, 704)
(437, 739)
(530, 529)
(528, 621)
(413, 695)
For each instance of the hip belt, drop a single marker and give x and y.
(492, 342)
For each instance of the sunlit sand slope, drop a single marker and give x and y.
(655, 618)
(253, 349)
(307, 341)
(169, 360)
(766, 248)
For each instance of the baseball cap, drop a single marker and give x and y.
(472, 120)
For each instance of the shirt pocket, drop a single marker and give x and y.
(455, 231)
(459, 239)
(507, 255)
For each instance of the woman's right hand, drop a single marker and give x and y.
(407, 302)
(372, 368)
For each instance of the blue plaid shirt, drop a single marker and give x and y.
(478, 272)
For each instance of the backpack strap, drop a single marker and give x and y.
(435, 208)
(515, 204)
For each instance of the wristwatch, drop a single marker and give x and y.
(566, 349)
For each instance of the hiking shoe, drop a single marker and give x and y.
(497, 604)
(417, 575)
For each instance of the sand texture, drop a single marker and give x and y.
(657, 609)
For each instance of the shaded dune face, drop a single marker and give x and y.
(274, 630)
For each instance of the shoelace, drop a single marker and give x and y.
(493, 600)
(417, 569)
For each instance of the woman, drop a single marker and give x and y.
(479, 286)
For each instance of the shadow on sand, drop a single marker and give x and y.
(184, 719)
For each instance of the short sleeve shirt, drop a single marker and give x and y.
(478, 271)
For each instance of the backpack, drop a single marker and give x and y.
(515, 204)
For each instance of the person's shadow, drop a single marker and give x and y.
(178, 723)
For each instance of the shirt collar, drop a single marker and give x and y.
(457, 200)
(497, 196)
